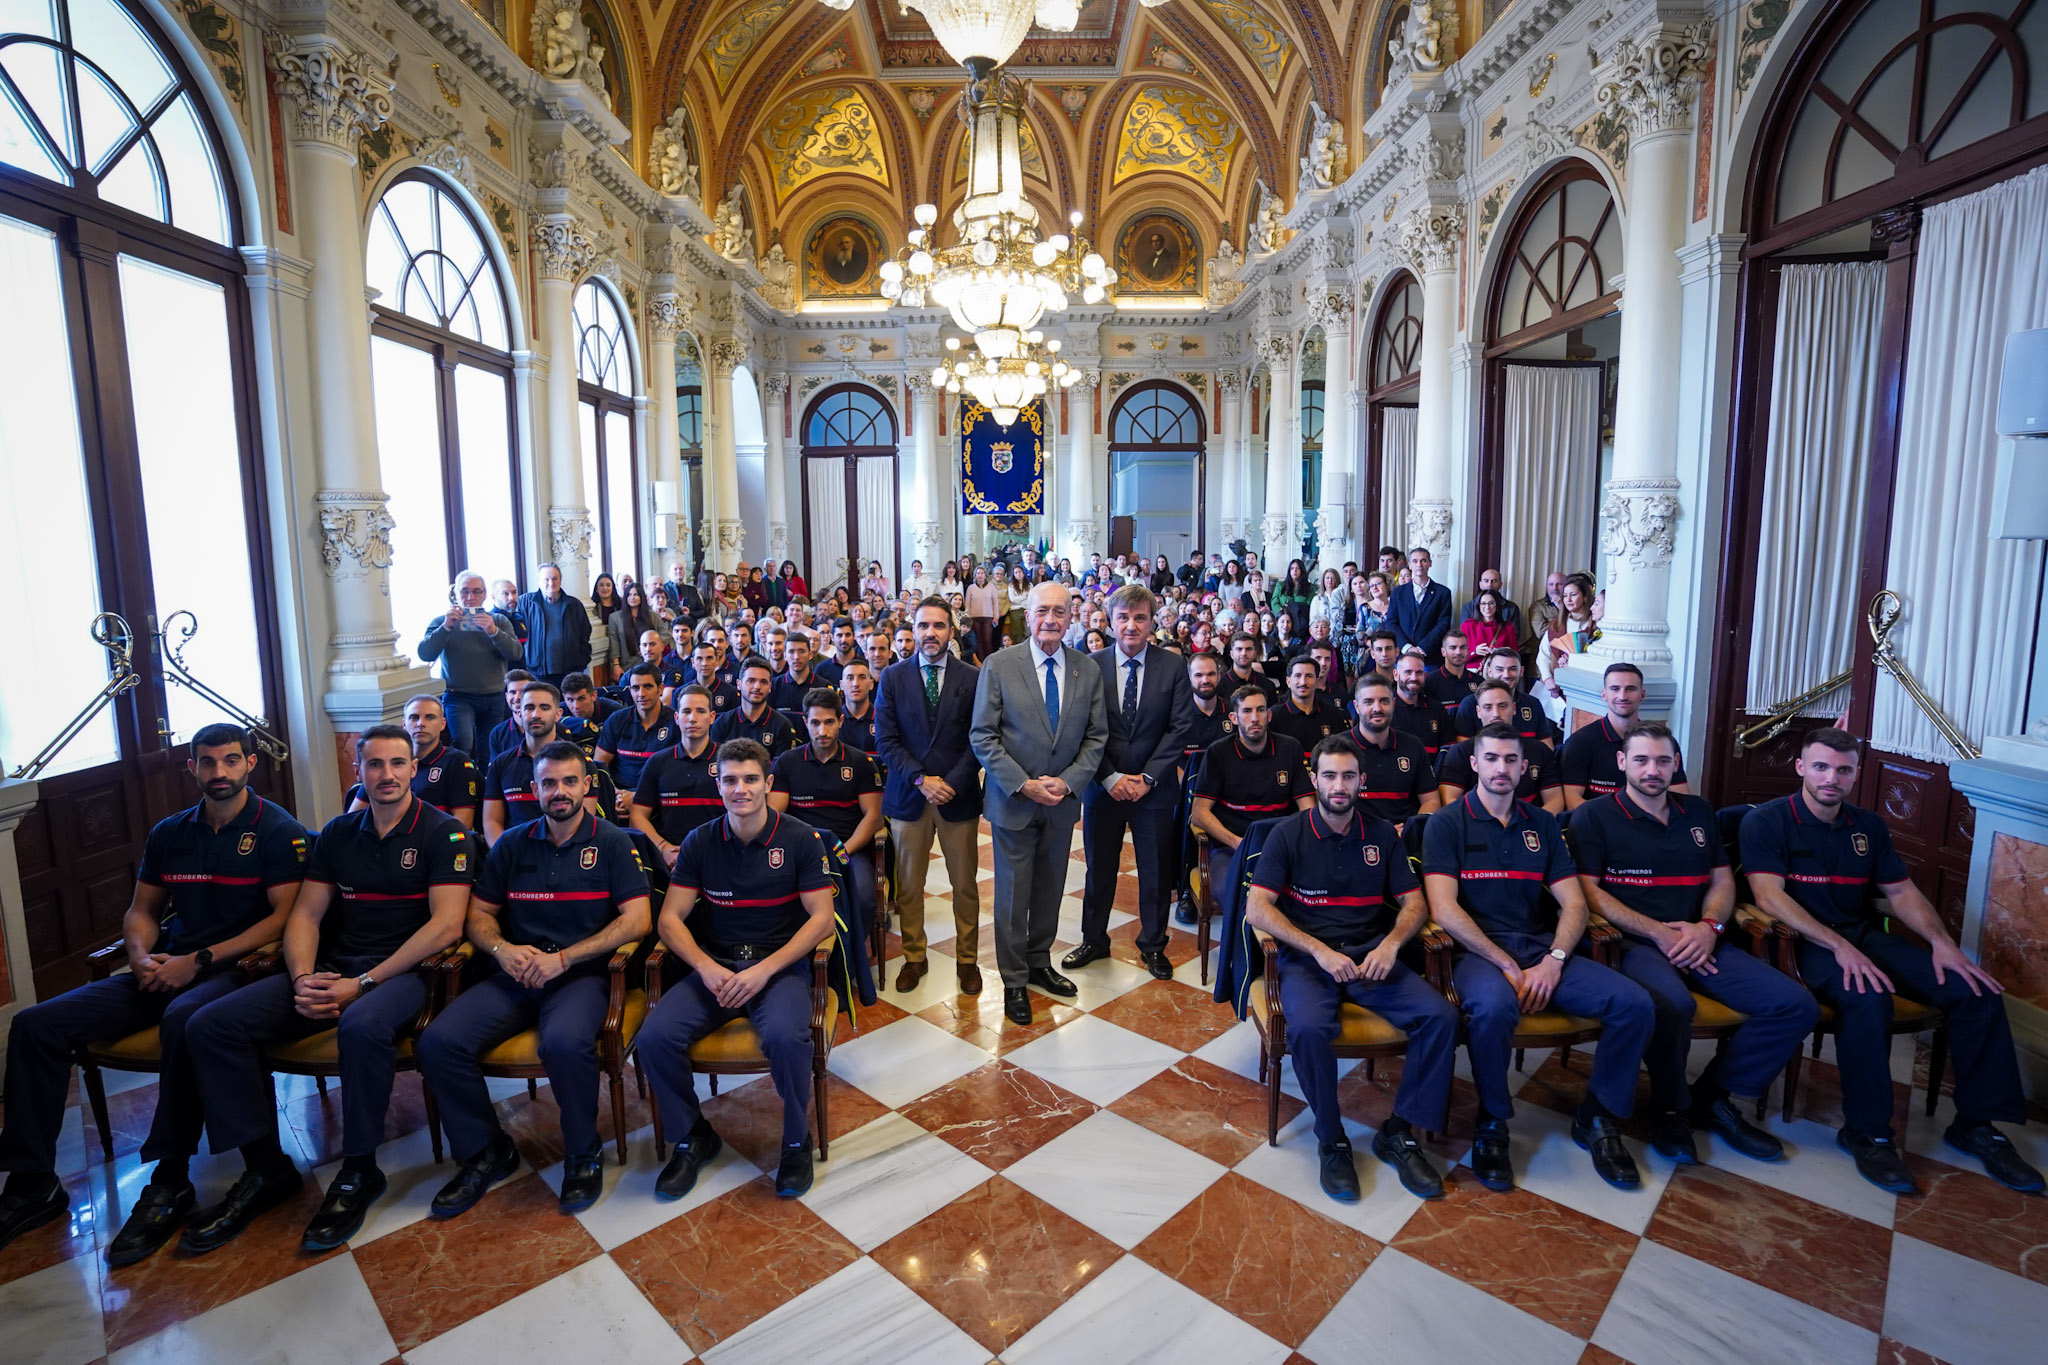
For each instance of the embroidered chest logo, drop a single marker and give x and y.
(589, 858)
(846, 773)
(775, 857)
(433, 774)
(409, 859)
(1281, 777)
(1404, 763)
(1372, 855)
(248, 845)
(1860, 842)
(1699, 836)
(1532, 841)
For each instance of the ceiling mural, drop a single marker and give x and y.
(728, 46)
(822, 131)
(1258, 33)
(1173, 128)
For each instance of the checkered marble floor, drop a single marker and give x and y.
(1093, 1188)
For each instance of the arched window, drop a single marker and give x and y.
(1394, 373)
(440, 332)
(850, 415)
(1565, 258)
(1156, 465)
(850, 487)
(1397, 336)
(604, 412)
(689, 382)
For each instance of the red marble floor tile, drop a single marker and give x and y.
(1973, 1215)
(1834, 1261)
(1206, 1109)
(732, 1261)
(1891, 1352)
(1181, 1016)
(1549, 1260)
(996, 1261)
(434, 1275)
(1365, 1094)
(317, 1118)
(881, 1014)
(1558, 1082)
(1600, 1355)
(999, 1113)
(1820, 1096)
(981, 1021)
(71, 1235)
(129, 1114)
(748, 1115)
(1123, 944)
(1268, 1260)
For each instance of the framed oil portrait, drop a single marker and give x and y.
(841, 260)
(1158, 254)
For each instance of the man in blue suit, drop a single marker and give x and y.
(923, 706)
(1150, 711)
(1423, 610)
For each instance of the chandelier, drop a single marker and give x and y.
(1004, 385)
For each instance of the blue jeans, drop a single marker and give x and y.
(471, 716)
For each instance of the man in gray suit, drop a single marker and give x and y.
(1039, 730)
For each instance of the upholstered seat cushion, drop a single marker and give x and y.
(1707, 1013)
(1553, 1023)
(736, 1044)
(138, 1051)
(322, 1049)
(1907, 1016)
(522, 1050)
(1357, 1027)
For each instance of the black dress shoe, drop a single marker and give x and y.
(1611, 1161)
(1082, 956)
(1489, 1156)
(1405, 1155)
(342, 1212)
(582, 1182)
(1051, 982)
(692, 1154)
(250, 1197)
(475, 1177)
(1156, 963)
(793, 1173)
(970, 979)
(1878, 1161)
(1723, 1118)
(1339, 1171)
(1017, 1004)
(20, 1212)
(1994, 1149)
(1184, 913)
(1671, 1136)
(151, 1222)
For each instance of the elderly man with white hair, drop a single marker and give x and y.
(474, 645)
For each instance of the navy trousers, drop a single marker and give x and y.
(1310, 996)
(1781, 1012)
(781, 1015)
(568, 1011)
(227, 1038)
(1153, 842)
(1584, 987)
(40, 1050)
(1979, 1036)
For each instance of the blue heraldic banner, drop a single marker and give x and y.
(1002, 469)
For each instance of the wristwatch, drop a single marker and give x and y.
(366, 983)
(1560, 954)
(204, 957)
(1716, 925)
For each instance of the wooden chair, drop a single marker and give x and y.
(1552, 1027)
(1206, 904)
(885, 899)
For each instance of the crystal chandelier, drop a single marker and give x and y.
(989, 29)
(1004, 385)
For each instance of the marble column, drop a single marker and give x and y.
(561, 253)
(1245, 494)
(1228, 523)
(1084, 482)
(774, 486)
(1281, 506)
(1431, 242)
(665, 320)
(721, 457)
(925, 508)
(1330, 309)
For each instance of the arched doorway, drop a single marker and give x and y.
(850, 486)
(1393, 373)
(1157, 464)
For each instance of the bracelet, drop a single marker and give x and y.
(1716, 925)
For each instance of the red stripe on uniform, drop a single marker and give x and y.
(1501, 874)
(1625, 880)
(1825, 881)
(209, 878)
(558, 895)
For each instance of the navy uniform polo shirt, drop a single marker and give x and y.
(1502, 869)
(1657, 868)
(1392, 781)
(1248, 786)
(549, 896)
(511, 780)
(668, 673)
(828, 669)
(445, 779)
(511, 734)
(1590, 759)
(1454, 769)
(1832, 870)
(772, 731)
(1344, 886)
(681, 791)
(750, 891)
(1448, 686)
(1206, 728)
(1428, 722)
(859, 731)
(219, 880)
(1307, 728)
(826, 795)
(1227, 689)
(788, 694)
(382, 883)
(1528, 719)
(631, 744)
(724, 696)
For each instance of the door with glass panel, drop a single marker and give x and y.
(851, 510)
(129, 482)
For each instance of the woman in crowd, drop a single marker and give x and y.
(793, 582)
(724, 597)
(1573, 630)
(1487, 632)
(1293, 596)
(984, 603)
(1162, 580)
(1366, 612)
(662, 609)
(1254, 596)
(633, 618)
(604, 599)
(1094, 640)
(1016, 591)
(754, 592)
(1329, 601)
(949, 581)
(875, 583)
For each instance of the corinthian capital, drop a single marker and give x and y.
(666, 316)
(1329, 309)
(560, 250)
(1275, 348)
(1650, 81)
(1431, 236)
(341, 94)
(726, 355)
(775, 385)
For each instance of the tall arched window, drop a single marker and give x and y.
(604, 415)
(1156, 468)
(850, 486)
(1394, 374)
(129, 477)
(440, 354)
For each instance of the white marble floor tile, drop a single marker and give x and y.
(1671, 1309)
(1238, 1050)
(629, 1206)
(323, 1315)
(1131, 1313)
(1814, 1168)
(503, 1088)
(53, 1316)
(885, 1176)
(1549, 1163)
(1189, 973)
(1098, 983)
(941, 981)
(591, 1313)
(1923, 1135)
(900, 1061)
(1121, 1179)
(1402, 1312)
(860, 1316)
(1291, 1169)
(1963, 1310)
(1095, 1059)
(1077, 872)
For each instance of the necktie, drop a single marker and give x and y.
(1130, 695)
(1052, 695)
(931, 688)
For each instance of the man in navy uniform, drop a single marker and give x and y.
(1528, 717)
(1249, 775)
(1650, 861)
(215, 882)
(707, 673)
(1244, 670)
(640, 731)
(1497, 704)
(510, 732)
(1486, 861)
(1590, 761)
(1395, 781)
(1304, 714)
(1209, 720)
(1448, 683)
(1334, 886)
(678, 788)
(509, 797)
(1149, 706)
(754, 718)
(556, 897)
(1817, 863)
(751, 897)
(582, 701)
(1416, 712)
(442, 777)
(796, 684)
(836, 790)
(857, 716)
(386, 889)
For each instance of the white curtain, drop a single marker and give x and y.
(1971, 602)
(825, 492)
(1809, 546)
(1397, 475)
(875, 483)
(1550, 470)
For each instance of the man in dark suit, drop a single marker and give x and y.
(922, 709)
(1150, 709)
(1423, 611)
(1039, 730)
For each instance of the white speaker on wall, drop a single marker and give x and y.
(2019, 510)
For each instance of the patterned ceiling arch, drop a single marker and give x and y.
(1248, 101)
(1319, 44)
(751, 96)
(898, 158)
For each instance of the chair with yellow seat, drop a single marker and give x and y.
(1206, 904)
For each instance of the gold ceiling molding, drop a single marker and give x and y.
(735, 38)
(1173, 128)
(825, 131)
(1258, 33)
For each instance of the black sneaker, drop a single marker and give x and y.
(582, 1182)
(692, 1154)
(254, 1194)
(2002, 1162)
(1878, 1161)
(475, 1177)
(341, 1214)
(1723, 1119)
(793, 1175)
(1671, 1136)
(1611, 1161)
(1405, 1155)
(156, 1215)
(1339, 1171)
(1489, 1156)
(20, 1212)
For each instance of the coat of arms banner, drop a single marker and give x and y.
(1002, 469)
